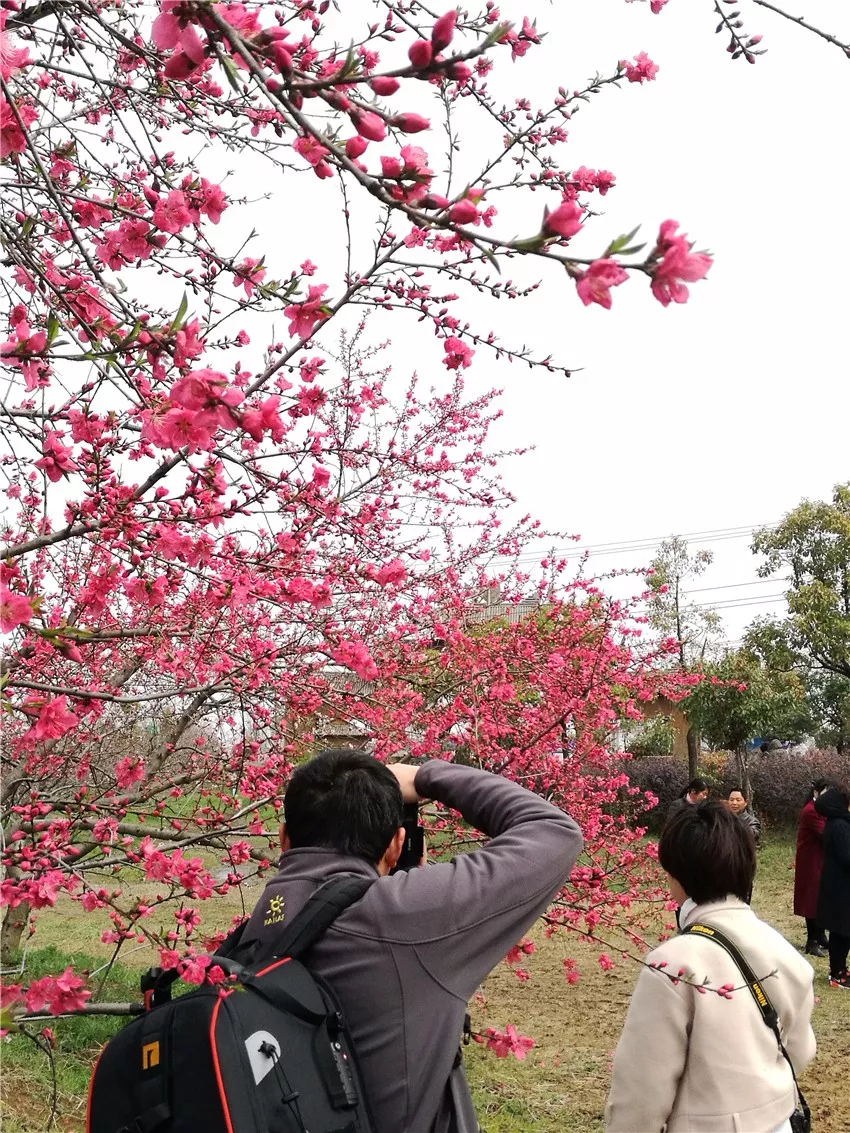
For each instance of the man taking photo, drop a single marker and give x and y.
(406, 958)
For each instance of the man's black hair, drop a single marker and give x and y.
(740, 791)
(344, 800)
(709, 852)
(696, 787)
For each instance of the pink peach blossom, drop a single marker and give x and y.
(54, 720)
(643, 70)
(15, 610)
(564, 221)
(172, 213)
(457, 354)
(677, 267)
(594, 285)
(304, 316)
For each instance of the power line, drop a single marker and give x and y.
(739, 603)
(734, 585)
(627, 546)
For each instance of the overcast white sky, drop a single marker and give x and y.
(725, 412)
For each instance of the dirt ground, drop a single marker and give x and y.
(562, 1083)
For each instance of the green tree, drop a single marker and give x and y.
(696, 629)
(741, 698)
(812, 546)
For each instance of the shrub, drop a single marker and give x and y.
(663, 777)
(781, 782)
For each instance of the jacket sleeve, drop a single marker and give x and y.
(811, 826)
(798, 1036)
(465, 915)
(650, 1057)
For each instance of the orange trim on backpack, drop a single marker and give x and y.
(216, 1065)
(91, 1087)
(276, 964)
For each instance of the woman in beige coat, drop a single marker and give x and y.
(691, 1060)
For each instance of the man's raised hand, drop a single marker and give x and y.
(406, 775)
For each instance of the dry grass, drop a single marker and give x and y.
(563, 1082)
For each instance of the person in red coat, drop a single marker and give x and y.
(808, 865)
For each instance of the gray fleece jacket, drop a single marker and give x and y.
(408, 956)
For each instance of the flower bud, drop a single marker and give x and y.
(434, 201)
(369, 125)
(384, 85)
(463, 212)
(391, 167)
(460, 72)
(410, 123)
(443, 31)
(355, 146)
(282, 58)
(420, 53)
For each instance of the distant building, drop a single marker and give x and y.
(493, 607)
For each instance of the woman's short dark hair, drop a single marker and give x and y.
(344, 800)
(695, 787)
(710, 852)
(820, 785)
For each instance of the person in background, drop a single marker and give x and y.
(702, 1063)
(807, 869)
(739, 805)
(833, 910)
(695, 792)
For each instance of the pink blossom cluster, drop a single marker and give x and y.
(15, 609)
(220, 540)
(53, 994)
(676, 265)
(506, 1042)
(24, 349)
(641, 70)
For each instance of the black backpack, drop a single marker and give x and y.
(268, 1052)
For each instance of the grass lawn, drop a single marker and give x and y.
(560, 1087)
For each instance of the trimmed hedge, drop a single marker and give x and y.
(780, 782)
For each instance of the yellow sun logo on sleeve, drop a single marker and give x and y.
(274, 913)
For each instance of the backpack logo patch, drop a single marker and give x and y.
(150, 1056)
(274, 913)
(263, 1051)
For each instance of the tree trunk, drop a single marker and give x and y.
(693, 751)
(743, 762)
(14, 923)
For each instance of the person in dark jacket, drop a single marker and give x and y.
(695, 792)
(739, 806)
(807, 869)
(834, 892)
(406, 958)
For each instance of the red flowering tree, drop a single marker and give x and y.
(229, 517)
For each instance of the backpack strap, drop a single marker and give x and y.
(152, 1074)
(757, 990)
(322, 909)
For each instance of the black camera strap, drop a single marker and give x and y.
(762, 1000)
